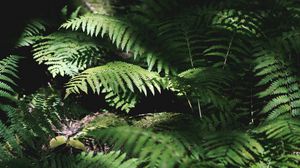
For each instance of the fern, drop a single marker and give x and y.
(129, 77)
(123, 34)
(247, 23)
(124, 101)
(41, 111)
(157, 150)
(118, 78)
(203, 84)
(289, 41)
(32, 33)
(290, 160)
(94, 25)
(281, 84)
(109, 160)
(66, 53)
(113, 159)
(178, 147)
(8, 70)
(234, 148)
(181, 37)
(11, 147)
(225, 49)
(43, 115)
(206, 55)
(214, 138)
(286, 130)
(281, 140)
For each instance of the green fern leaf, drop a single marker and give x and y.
(235, 148)
(116, 76)
(157, 150)
(281, 85)
(124, 35)
(66, 53)
(32, 33)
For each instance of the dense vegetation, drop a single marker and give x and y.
(155, 83)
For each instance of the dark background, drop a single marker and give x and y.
(15, 13)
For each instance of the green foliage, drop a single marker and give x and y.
(229, 67)
(204, 84)
(32, 32)
(181, 37)
(119, 80)
(158, 150)
(124, 101)
(281, 85)
(8, 70)
(122, 77)
(7, 76)
(179, 147)
(232, 148)
(282, 129)
(112, 159)
(41, 111)
(125, 36)
(66, 53)
(237, 21)
(95, 25)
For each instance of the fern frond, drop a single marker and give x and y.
(40, 112)
(154, 149)
(33, 28)
(10, 147)
(195, 163)
(225, 48)
(204, 84)
(32, 32)
(124, 35)
(282, 86)
(116, 76)
(181, 38)
(290, 41)
(66, 53)
(95, 24)
(289, 160)
(113, 159)
(287, 130)
(234, 148)
(247, 23)
(8, 74)
(124, 101)
(8, 70)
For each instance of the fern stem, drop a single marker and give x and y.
(199, 109)
(228, 50)
(189, 47)
(189, 102)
